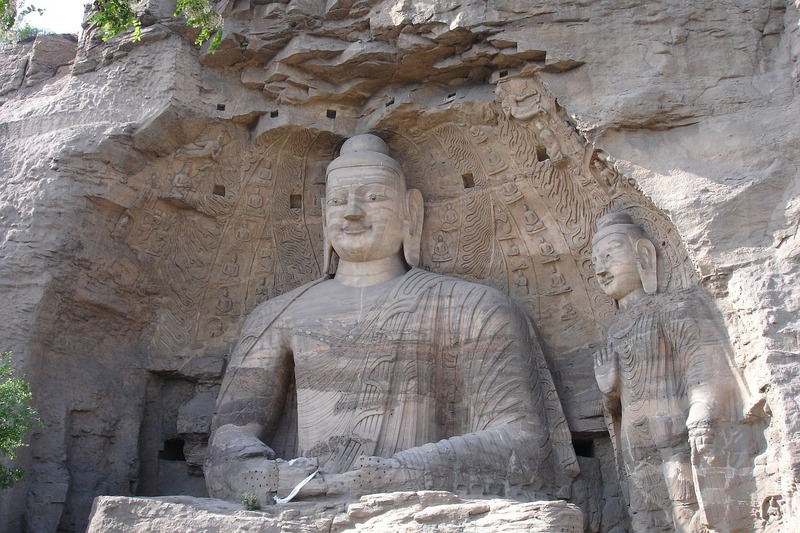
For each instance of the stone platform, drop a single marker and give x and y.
(442, 512)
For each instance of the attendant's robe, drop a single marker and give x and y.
(670, 355)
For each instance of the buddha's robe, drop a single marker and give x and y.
(444, 376)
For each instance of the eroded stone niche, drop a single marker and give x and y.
(511, 191)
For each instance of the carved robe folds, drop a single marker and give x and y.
(443, 376)
(670, 364)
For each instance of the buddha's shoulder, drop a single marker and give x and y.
(458, 288)
(678, 304)
(269, 309)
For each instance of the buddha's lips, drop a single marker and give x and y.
(355, 229)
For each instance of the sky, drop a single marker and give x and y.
(60, 16)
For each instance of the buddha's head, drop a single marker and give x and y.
(624, 258)
(369, 214)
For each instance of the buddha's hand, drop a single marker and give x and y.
(295, 474)
(267, 479)
(699, 423)
(606, 371)
(369, 475)
(238, 462)
(236, 478)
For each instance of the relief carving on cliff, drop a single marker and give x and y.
(501, 204)
(511, 197)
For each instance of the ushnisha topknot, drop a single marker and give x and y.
(365, 150)
(617, 222)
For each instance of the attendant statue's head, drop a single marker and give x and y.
(624, 258)
(371, 221)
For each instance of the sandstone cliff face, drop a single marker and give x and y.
(153, 195)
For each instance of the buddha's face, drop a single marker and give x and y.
(615, 265)
(364, 213)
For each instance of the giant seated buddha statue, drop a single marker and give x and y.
(384, 377)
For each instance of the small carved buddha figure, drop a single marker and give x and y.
(243, 233)
(122, 226)
(521, 283)
(502, 225)
(255, 200)
(262, 289)
(558, 283)
(511, 192)
(533, 223)
(550, 141)
(386, 377)
(441, 253)
(450, 219)
(231, 267)
(666, 384)
(605, 174)
(568, 311)
(547, 250)
(266, 259)
(224, 304)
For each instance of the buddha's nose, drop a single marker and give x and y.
(354, 212)
(600, 268)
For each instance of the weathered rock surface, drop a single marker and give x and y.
(399, 511)
(33, 62)
(120, 239)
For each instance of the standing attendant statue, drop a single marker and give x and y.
(670, 395)
(386, 377)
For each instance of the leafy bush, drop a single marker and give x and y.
(250, 501)
(28, 32)
(17, 416)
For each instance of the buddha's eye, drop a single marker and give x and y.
(335, 200)
(608, 257)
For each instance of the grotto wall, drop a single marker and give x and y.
(152, 195)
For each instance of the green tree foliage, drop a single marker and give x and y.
(12, 13)
(200, 15)
(29, 32)
(116, 16)
(17, 416)
(113, 17)
(8, 14)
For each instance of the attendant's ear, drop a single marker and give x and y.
(328, 263)
(412, 227)
(646, 265)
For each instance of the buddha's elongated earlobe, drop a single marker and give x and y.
(646, 264)
(412, 227)
(328, 263)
